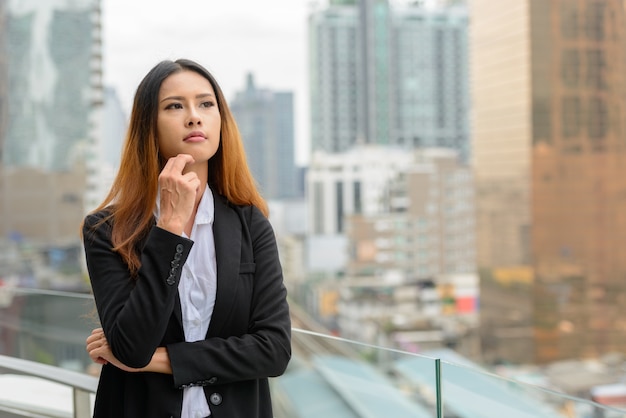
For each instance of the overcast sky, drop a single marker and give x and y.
(231, 38)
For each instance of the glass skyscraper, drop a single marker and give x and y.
(266, 121)
(388, 75)
(52, 67)
(50, 101)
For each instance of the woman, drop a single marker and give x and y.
(183, 263)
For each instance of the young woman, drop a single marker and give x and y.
(183, 263)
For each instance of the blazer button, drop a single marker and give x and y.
(170, 280)
(179, 248)
(212, 380)
(215, 398)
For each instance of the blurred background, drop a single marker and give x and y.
(441, 174)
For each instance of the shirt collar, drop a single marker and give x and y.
(206, 208)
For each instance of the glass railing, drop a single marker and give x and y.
(328, 376)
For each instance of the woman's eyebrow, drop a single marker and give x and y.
(198, 96)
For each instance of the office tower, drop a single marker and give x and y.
(332, 77)
(52, 50)
(426, 228)
(351, 182)
(266, 123)
(431, 91)
(549, 146)
(373, 76)
(372, 186)
(50, 97)
(406, 219)
(388, 75)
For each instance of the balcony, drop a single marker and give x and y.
(45, 372)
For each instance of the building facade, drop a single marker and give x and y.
(54, 66)
(431, 88)
(50, 93)
(388, 75)
(332, 78)
(266, 122)
(352, 182)
(407, 211)
(426, 230)
(549, 147)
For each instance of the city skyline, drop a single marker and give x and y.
(138, 34)
(272, 46)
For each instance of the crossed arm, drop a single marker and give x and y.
(98, 348)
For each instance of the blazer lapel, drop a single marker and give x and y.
(227, 237)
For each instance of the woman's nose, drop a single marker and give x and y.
(194, 118)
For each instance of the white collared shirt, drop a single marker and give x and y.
(197, 289)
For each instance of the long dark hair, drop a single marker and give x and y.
(132, 197)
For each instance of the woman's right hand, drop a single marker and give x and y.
(178, 192)
(100, 352)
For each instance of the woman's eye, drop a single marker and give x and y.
(174, 106)
(206, 104)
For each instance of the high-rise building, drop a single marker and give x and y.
(427, 227)
(50, 94)
(332, 77)
(352, 182)
(266, 122)
(388, 75)
(417, 205)
(431, 88)
(549, 148)
(374, 72)
(53, 54)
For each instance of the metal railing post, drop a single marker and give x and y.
(82, 404)
(438, 388)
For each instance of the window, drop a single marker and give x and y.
(572, 116)
(339, 200)
(594, 28)
(595, 69)
(569, 20)
(570, 67)
(597, 126)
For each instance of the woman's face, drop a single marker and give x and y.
(188, 119)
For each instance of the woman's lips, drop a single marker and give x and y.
(195, 137)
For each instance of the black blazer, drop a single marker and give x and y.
(249, 337)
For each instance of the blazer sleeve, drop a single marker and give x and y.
(261, 351)
(134, 312)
